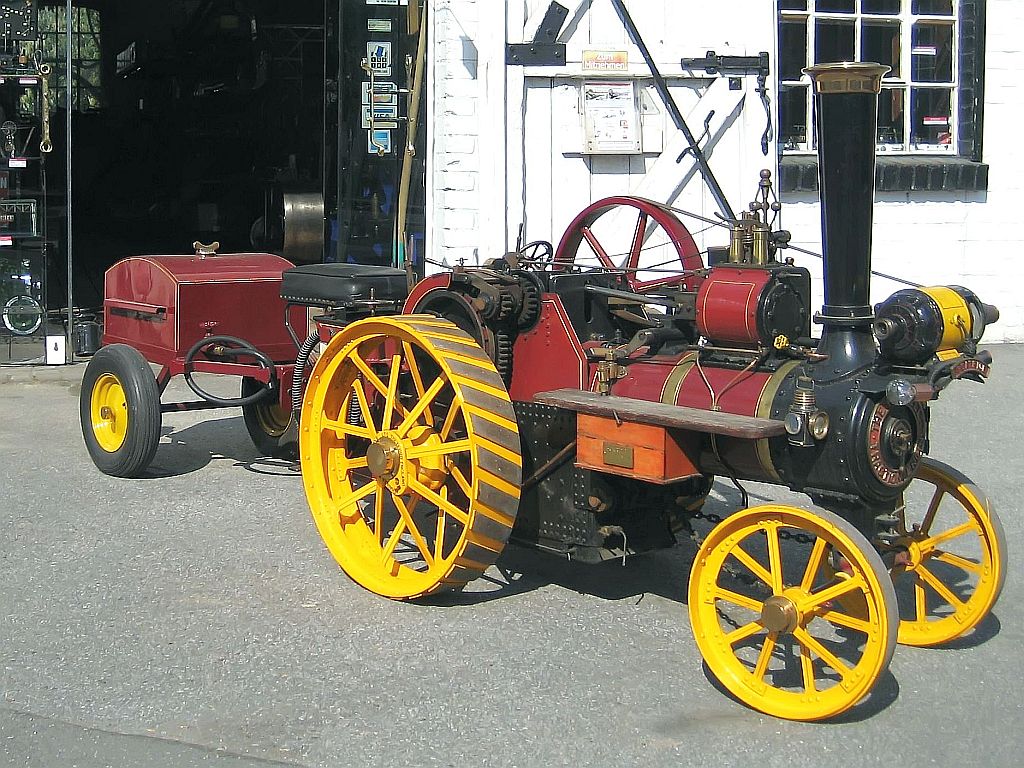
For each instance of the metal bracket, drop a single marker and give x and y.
(543, 50)
(715, 64)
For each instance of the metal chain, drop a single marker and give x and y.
(742, 577)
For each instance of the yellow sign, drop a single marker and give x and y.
(605, 61)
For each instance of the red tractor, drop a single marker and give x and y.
(585, 411)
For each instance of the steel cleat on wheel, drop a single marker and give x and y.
(410, 455)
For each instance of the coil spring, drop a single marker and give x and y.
(355, 416)
(804, 399)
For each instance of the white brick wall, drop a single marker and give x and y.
(455, 132)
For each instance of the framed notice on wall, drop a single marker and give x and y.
(611, 118)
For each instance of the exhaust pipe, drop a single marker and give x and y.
(846, 99)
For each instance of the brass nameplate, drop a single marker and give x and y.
(616, 455)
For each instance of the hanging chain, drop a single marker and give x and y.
(741, 576)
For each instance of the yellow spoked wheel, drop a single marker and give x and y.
(764, 602)
(410, 455)
(950, 560)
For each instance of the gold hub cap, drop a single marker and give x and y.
(384, 458)
(779, 614)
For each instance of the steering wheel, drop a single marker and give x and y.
(538, 252)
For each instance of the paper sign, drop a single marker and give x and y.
(384, 116)
(611, 118)
(384, 92)
(379, 140)
(378, 54)
(605, 61)
(378, 25)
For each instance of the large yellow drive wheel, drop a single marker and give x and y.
(764, 601)
(950, 560)
(410, 455)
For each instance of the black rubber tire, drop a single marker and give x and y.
(265, 422)
(142, 403)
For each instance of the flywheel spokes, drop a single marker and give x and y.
(766, 607)
(950, 561)
(410, 455)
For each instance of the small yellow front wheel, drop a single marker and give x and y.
(410, 455)
(765, 600)
(949, 563)
(120, 411)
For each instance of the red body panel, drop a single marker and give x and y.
(162, 305)
(727, 303)
(548, 356)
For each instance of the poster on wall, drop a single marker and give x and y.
(611, 119)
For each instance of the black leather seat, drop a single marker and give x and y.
(337, 285)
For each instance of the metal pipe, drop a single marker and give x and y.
(673, 109)
(69, 354)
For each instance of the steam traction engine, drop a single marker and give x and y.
(586, 411)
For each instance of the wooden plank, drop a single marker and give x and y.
(627, 409)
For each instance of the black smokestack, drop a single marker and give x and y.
(846, 98)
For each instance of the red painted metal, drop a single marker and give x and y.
(163, 305)
(647, 212)
(439, 282)
(727, 304)
(548, 356)
(678, 380)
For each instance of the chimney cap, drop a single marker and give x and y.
(847, 77)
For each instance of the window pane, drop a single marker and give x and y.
(834, 41)
(930, 116)
(880, 6)
(890, 119)
(793, 117)
(932, 53)
(880, 42)
(834, 6)
(793, 5)
(933, 7)
(792, 49)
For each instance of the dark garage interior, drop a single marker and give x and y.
(235, 121)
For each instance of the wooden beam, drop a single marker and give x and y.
(630, 410)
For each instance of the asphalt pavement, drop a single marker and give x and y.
(194, 618)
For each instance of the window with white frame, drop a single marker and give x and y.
(918, 110)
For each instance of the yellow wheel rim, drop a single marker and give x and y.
(950, 560)
(109, 413)
(765, 609)
(410, 455)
